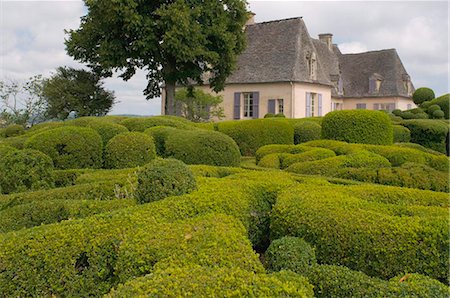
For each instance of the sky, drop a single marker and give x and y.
(32, 39)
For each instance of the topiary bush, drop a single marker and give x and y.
(252, 134)
(401, 134)
(25, 170)
(310, 155)
(5, 149)
(358, 126)
(290, 253)
(69, 147)
(306, 131)
(422, 94)
(269, 115)
(129, 150)
(162, 178)
(107, 130)
(443, 102)
(202, 147)
(142, 123)
(159, 135)
(428, 133)
(13, 130)
(438, 114)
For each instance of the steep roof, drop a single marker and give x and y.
(276, 52)
(357, 69)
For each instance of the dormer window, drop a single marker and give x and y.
(407, 84)
(311, 60)
(375, 82)
(338, 84)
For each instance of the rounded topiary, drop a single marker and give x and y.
(358, 126)
(14, 130)
(425, 105)
(432, 108)
(444, 102)
(249, 135)
(5, 149)
(401, 134)
(421, 116)
(22, 170)
(129, 150)
(423, 94)
(162, 178)
(306, 131)
(159, 135)
(141, 124)
(290, 253)
(397, 112)
(416, 111)
(202, 147)
(69, 147)
(269, 115)
(408, 115)
(107, 130)
(438, 114)
(280, 115)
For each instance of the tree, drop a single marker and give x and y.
(198, 106)
(174, 41)
(76, 90)
(21, 102)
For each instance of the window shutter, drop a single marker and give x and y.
(372, 86)
(271, 106)
(376, 106)
(237, 106)
(319, 105)
(308, 104)
(255, 105)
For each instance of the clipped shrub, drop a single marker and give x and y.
(280, 115)
(162, 178)
(202, 147)
(142, 123)
(438, 114)
(416, 111)
(408, 115)
(397, 112)
(425, 105)
(401, 134)
(129, 150)
(212, 171)
(421, 116)
(269, 149)
(196, 281)
(428, 133)
(290, 253)
(432, 108)
(159, 135)
(269, 115)
(398, 156)
(252, 134)
(311, 155)
(381, 239)
(340, 148)
(444, 102)
(107, 130)
(270, 161)
(25, 170)
(358, 126)
(13, 130)
(5, 149)
(306, 131)
(422, 94)
(69, 147)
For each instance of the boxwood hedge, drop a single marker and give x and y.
(306, 131)
(202, 147)
(379, 239)
(130, 149)
(358, 126)
(142, 123)
(428, 133)
(252, 134)
(401, 134)
(159, 135)
(69, 147)
(443, 102)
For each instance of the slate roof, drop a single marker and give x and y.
(277, 50)
(386, 65)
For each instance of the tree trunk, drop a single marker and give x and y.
(170, 99)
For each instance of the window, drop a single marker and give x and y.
(248, 105)
(280, 106)
(360, 106)
(313, 96)
(311, 61)
(389, 107)
(375, 82)
(335, 106)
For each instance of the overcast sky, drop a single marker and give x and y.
(32, 38)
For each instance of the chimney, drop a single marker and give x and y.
(328, 39)
(251, 19)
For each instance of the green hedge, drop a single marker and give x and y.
(290, 253)
(253, 134)
(202, 147)
(25, 170)
(130, 149)
(197, 281)
(306, 131)
(69, 147)
(428, 133)
(107, 130)
(380, 239)
(142, 123)
(42, 212)
(162, 178)
(269, 149)
(310, 155)
(444, 102)
(401, 134)
(159, 135)
(5, 149)
(358, 126)
(13, 130)
(422, 95)
(212, 171)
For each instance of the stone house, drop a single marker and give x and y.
(285, 70)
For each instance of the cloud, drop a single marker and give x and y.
(352, 47)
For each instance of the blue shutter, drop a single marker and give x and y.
(319, 105)
(308, 105)
(237, 106)
(255, 105)
(271, 107)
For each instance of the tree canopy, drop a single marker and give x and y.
(76, 90)
(174, 41)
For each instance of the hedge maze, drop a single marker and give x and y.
(162, 207)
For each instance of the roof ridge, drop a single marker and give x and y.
(275, 21)
(373, 51)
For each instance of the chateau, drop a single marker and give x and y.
(285, 70)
